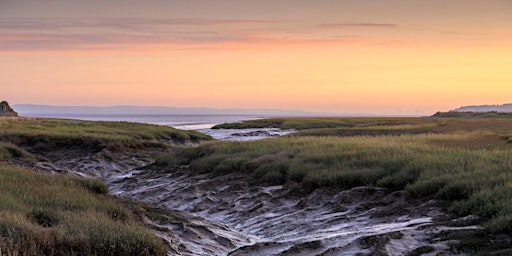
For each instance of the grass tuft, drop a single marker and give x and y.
(11, 151)
(46, 217)
(96, 186)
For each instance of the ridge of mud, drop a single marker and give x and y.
(185, 233)
(325, 222)
(230, 215)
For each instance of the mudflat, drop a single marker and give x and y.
(395, 186)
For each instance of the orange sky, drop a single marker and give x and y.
(383, 57)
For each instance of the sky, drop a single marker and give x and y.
(393, 57)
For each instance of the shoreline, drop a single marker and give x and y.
(201, 123)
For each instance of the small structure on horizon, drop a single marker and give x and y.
(6, 110)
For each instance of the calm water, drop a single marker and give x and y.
(201, 123)
(186, 122)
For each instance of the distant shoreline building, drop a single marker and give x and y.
(6, 110)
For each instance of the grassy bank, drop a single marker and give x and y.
(491, 114)
(464, 161)
(451, 121)
(40, 134)
(298, 123)
(44, 214)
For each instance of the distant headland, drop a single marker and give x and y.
(485, 108)
(481, 111)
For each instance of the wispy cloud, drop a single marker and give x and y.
(122, 25)
(45, 34)
(358, 25)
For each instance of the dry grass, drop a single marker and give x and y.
(63, 215)
(464, 161)
(43, 134)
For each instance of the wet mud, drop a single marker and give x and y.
(232, 215)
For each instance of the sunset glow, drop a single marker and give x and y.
(382, 57)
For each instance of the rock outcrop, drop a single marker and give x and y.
(6, 110)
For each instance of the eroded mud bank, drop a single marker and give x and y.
(230, 214)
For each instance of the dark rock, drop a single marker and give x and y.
(421, 250)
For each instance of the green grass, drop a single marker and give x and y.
(10, 151)
(302, 123)
(63, 215)
(44, 214)
(42, 134)
(464, 161)
(351, 126)
(491, 114)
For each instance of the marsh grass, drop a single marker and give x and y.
(43, 134)
(52, 215)
(64, 215)
(306, 123)
(373, 126)
(464, 161)
(302, 123)
(11, 151)
(490, 114)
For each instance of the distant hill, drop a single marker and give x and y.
(49, 111)
(491, 114)
(486, 108)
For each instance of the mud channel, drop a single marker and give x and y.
(230, 215)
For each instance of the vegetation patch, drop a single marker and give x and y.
(303, 123)
(464, 161)
(10, 151)
(93, 185)
(50, 215)
(460, 114)
(64, 215)
(44, 134)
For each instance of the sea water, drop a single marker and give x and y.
(201, 123)
(184, 122)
